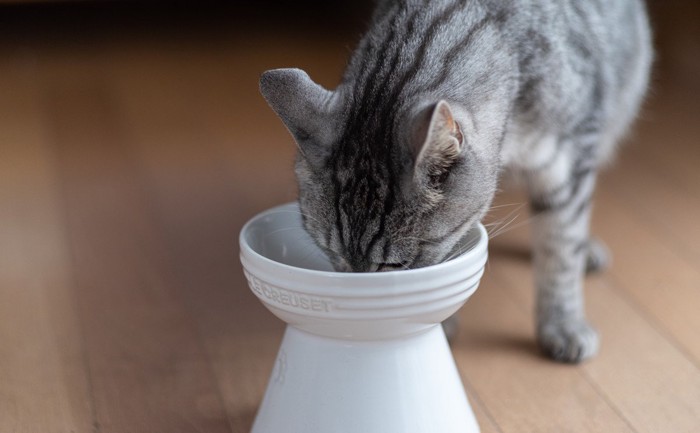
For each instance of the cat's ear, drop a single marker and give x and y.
(302, 104)
(440, 139)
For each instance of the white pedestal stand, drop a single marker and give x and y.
(362, 353)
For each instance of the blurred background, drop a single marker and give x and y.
(134, 145)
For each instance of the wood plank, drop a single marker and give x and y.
(659, 280)
(44, 384)
(523, 391)
(487, 423)
(148, 369)
(665, 141)
(628, 370)
(650, 382)
(671, 210)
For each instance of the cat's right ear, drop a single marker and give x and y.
(440, 141)
(304, 106)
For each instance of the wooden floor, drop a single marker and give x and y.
(129, 164)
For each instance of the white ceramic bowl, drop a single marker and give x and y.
(363, 352)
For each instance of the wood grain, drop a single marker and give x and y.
(147, 367)
(640, 357)
(44, 381)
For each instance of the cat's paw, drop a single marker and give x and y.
(570, 341)
(598, 256)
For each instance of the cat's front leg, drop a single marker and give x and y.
(561, 245)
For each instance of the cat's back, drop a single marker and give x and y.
(590, 30)
(563, 42)
(580, 63)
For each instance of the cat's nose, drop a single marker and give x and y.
(359, 265)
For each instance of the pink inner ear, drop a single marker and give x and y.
(444, 111)
(451, 124)
(457, 132)
(438, 137)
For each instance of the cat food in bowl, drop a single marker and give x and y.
(362, 352)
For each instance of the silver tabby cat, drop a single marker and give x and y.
(440, 96)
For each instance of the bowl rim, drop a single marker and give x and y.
(468, 256)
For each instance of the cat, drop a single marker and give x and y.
(439, 98)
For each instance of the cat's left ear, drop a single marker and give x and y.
(442, 141)
(303, 105)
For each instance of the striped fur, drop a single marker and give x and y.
(441, 96)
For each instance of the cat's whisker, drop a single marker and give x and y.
(500, 225)
(461, 250)
(502, 228)
(519, 204)
(515, 226)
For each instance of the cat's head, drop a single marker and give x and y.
(382, 189)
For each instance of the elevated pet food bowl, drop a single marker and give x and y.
(362, 352)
